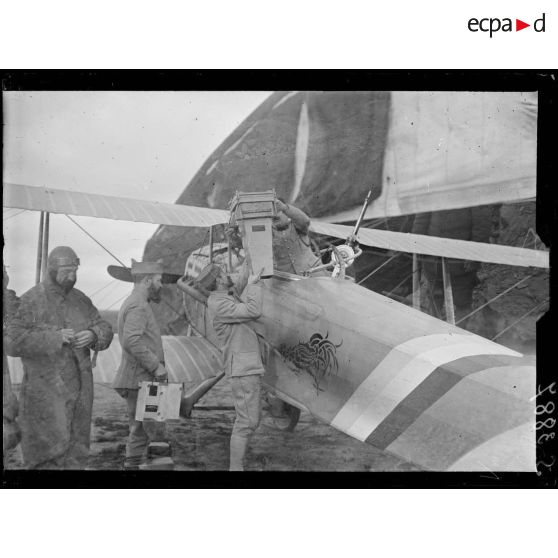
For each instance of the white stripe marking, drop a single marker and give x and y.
(283, 99)
(400, 372)
(208, 171)
(301, 150)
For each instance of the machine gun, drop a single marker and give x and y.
(344, 255)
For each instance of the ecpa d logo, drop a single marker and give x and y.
(494, 24)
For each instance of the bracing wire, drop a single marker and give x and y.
(493, 299)
(15, 214)
(107, 294)
(95, 240)
(124, 265)
(379, 267)
(102, 288)
(117, 301)
(521, 318)
(399, 284)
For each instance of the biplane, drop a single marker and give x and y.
(378, 370)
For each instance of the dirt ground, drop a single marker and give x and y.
(201, 442)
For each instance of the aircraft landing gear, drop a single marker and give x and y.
(284, 416)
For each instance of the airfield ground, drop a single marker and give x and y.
(201, 442)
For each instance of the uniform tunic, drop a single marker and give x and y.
(292, 251)
(142, 346)
(11, 433)
(57, 391)
(241, 354)
(241, 350)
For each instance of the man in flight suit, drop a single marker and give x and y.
(11, 433)
(230, 316)
(54, 331)
(142, 360)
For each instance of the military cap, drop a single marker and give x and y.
(144, 268)
(208, 276)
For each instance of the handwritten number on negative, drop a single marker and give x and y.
(549, 388)
(549, 465)
(545, 437)
(545, 424)
(545, 408)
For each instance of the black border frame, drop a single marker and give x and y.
(543, 81)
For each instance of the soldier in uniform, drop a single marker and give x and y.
(142, 360)
(231, 316)
(292, 247)
(291, 243)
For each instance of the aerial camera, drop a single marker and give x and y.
(253, 212)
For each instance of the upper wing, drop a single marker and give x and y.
(128, 209)
(110, 207)
(436, 246)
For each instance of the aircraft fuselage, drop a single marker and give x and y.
(392, 376)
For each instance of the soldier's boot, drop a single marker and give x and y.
(159, 457)
(132, 463)
(237, 453)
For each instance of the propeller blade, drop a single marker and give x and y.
(110, 207)
(436, 246)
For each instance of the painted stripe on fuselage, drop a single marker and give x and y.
(478, 409)
(400, 372)
(441, 381)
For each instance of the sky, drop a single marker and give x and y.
(139, 144)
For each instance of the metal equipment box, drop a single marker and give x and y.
(159, 401)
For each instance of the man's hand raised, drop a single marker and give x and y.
(280, 206)
(255, 278)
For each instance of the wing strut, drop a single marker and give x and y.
(416, 284)
(448, 293)
(42, 247)
(45, 245)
